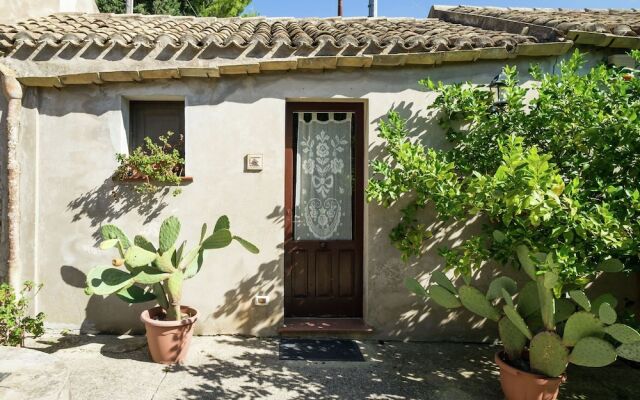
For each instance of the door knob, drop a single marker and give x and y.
(323, 245)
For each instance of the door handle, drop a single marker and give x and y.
(323, 245)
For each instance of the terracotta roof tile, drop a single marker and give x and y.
(611, 21)
(378, 35)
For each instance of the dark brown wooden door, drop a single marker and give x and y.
(324, 198)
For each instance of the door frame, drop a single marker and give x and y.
(358, 108)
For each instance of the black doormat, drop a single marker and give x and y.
(319, 350)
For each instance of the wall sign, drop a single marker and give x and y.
(253, 162)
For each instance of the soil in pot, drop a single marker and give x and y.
(521, 385)
(168, 340)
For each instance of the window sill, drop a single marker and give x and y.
(183, 180)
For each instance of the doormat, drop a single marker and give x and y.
(319, 350)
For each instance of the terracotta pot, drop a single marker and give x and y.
(168, 340)
(521, 385)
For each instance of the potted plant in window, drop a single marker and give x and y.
(540, 333)
(144, 272)
(154, 165)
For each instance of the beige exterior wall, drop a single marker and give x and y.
(68, 150)
(15, 10)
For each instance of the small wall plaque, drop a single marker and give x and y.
(253, 162)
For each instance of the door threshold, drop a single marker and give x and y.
(324, 325)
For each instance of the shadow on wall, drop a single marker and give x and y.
(112, 315)
(404, 315)
(111, 200)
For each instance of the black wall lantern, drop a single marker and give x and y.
(497, 86)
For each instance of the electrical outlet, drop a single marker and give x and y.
(261, 300)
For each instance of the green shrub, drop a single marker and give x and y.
(15, 324)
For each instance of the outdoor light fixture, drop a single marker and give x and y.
(497, 88)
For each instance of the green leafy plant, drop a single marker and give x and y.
(556, 169)
(555, 174)
(144, 272)
(155, 164)
(201, 8)
(15, 323)
(540, 332)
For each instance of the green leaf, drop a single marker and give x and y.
(498, 236)
(517, 320)
(604, 298)
(203, 232)
(525, 261)
(137, 257)
(135, 294)
(217, 240)
(222, 223)
(105, 280)
(629, 351)
(194, 267)
(415, 287)
(443, 297)
(164, 262)
(169, 231)
(611, 265)
(247, 245)
(593, 352)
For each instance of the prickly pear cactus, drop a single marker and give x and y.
(623, 333)
(593, 352)
(581, 299)
(528, 302)
(441, 279)
(501, 283)
(548, 355)
(169, 231)
(512, 339)
(477, 303)
(517, 320)
(443, 297)
(630, 351)
(582, 324)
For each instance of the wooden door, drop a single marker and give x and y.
(324, 198)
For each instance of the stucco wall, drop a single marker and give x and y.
(77, 130)
(15, 10)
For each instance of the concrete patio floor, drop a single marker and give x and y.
(230, 367)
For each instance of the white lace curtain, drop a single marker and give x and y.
(323, 179)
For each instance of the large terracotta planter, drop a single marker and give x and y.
(168, 340)
(521, 385)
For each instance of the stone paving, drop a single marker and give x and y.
(231, 367)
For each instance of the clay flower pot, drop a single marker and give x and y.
(168, 340)
(521, 385)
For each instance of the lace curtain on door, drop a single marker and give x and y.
(323, 179)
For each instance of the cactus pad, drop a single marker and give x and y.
(477, 303)
(528, 302)
(135, 294)
(137, 257)
(501, 282)
(629, 351)
(512, 339)
(443, 297)
(547, 304)
(217, 240)
(222, 223)
(109, 243)
(623, 333)
(611, 265)
(607, 314)
(604, 298)
(517, 320)
(441, 279)
(410, 283)
(113, 232)
(169, 231)
(550, 279)
(593, 352)
(564, 309)
(579, 325)
(105, 280)
(525, 261)
(140, 241)
(581, 299)
(149, 275)
(164, 262)
(548, 355)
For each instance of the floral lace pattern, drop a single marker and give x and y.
(323, 187)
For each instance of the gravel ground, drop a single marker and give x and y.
(231, 367)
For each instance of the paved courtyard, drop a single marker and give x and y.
(230, 367)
